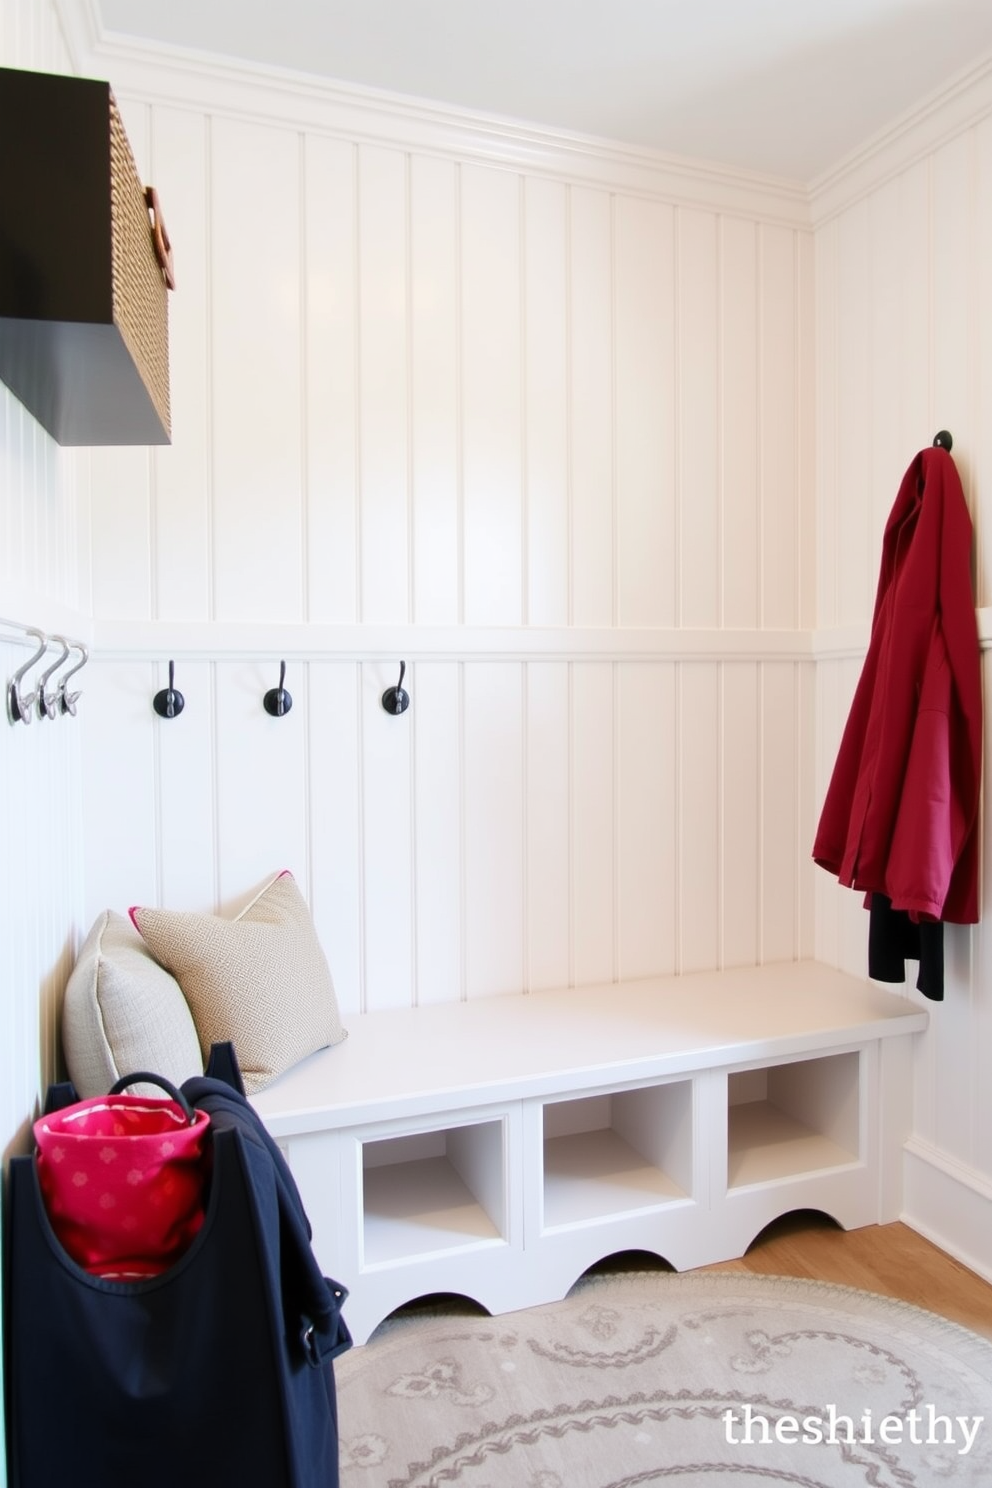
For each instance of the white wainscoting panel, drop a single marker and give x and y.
(596, 276)
(546, 404)
(740, 802)
(331, 379)
(549, 826)
(336, 843)
(649, 573)
(255, 299)
(387, 845)
(187, 789)
(646, 794)
(383, 385)
(781, 784)
(740, 441)
(432, 438)
(695, 804)
(492, 787)
(436, 824)
(697, 401)
(593, 784)
(491, 403)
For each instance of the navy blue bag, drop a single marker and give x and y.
(218, 1371)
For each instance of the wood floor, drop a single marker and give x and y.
(890, 1259)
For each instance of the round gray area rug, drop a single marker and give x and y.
(641, 1378)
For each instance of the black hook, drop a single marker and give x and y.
(394, 699)
(169, 703)
(277, 700)
(943, 440)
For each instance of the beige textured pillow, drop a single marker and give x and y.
(123, 1012)
(260, 980)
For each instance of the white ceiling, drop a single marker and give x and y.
(782, 87)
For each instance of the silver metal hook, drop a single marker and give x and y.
(68, 700)
(18, 705)
(48, 702)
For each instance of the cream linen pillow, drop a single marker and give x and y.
(123, 1012)
(260, 980)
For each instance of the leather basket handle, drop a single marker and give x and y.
(160, 237)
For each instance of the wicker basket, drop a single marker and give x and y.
(139, 279)
(85, 267)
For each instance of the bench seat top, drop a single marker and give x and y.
(454, 1056)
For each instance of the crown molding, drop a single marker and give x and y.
(178, 77)
(280, 97)
(941, 116)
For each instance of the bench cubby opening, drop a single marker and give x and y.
(431, 1191)
(616, 1152)
(792, 1118)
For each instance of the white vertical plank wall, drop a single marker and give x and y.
(904, 348)
(516, 429)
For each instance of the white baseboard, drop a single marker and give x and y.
(950, 1204)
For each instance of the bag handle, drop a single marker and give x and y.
(59, 1096)
(143, 1077)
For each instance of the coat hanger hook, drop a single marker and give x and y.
(48, 702)
(277, 701)
(68, 700)
(943, 440)
(19, 704)
(394, 699)
(169, 703)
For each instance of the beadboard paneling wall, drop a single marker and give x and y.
(412, 390)
(562, 430)
(904, 338)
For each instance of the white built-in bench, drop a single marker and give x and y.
(498, 1148)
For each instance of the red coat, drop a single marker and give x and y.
(900, 815)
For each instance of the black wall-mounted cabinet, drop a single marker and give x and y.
(83, 294)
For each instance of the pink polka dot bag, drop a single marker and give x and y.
(124, 1177)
